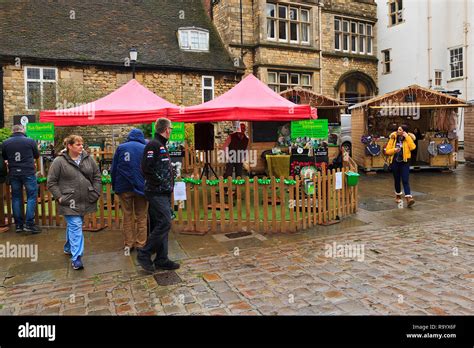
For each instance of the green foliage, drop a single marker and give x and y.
(5, 134)
(146, 129)
(189, 133)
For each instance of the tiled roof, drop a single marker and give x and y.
(103, 32)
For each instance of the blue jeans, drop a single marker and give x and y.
(401, 171)
(74, 236)
(31, 186)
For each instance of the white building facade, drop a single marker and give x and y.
(429, 43)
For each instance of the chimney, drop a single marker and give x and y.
(208, 7)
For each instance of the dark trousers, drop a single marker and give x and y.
(401, 171)
(229, 168)
(159, 213)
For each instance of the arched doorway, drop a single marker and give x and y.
(355, 87)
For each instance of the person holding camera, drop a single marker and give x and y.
(399, 149)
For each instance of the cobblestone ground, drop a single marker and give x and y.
(424, 268)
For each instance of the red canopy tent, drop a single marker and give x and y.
(249, 100)
(132, 103)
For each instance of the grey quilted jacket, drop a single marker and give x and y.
(78, 194)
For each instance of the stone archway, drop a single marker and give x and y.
(354, 87)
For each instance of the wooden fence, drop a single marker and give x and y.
(194, 160)
(276, 207)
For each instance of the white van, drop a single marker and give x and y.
(346, 129)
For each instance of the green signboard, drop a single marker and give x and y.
(176, 141)
(314, 129)
(177, 134)
(43, 134)
(40, 131)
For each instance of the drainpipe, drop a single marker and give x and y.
(466, 33)
(430, 81)
(2, 112)
(241, 35)
(320, 4)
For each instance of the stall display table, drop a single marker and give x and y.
(278, 165)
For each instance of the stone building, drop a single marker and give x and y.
(56, 54)
(327, 46)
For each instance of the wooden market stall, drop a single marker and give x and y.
(432, 112)
(274, 204)
(264, 136)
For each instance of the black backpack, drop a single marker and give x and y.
(3, 167)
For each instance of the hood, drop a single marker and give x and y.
(136, 135)
(394, 135)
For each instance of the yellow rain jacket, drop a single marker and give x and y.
(408, 146)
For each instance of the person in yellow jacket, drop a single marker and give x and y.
(399, 148)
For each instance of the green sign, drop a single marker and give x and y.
(40, 131)
(314, 129)
(177, 134)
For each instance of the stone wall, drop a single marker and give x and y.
(335, 67)
(260, 55)
(336, 63)
(85, 84)
(364, 9)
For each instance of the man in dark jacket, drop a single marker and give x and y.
(20, 152)
(159, 184)
(236, 143)
(129, 184)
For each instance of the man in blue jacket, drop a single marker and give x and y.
(128, 183)
(21, 152)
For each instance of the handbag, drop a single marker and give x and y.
(432, 149)
(445, 148)
(373, 149)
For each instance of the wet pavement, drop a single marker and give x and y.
(383, 260)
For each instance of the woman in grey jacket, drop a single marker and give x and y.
(74, 181)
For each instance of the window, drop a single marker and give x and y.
(438, 78)
(288, 24)
(194, 39)
(207, 88)
(361, 38)
(352, 36)
(345, 37)
(271, 22)
(395, 12)
(456, 62)
(337, 34)
(280, 81)
(386, 61)
(41, 88)
(369, 39)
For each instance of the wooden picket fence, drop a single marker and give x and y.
(274, 208)
(194, 160)
(222, 208)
